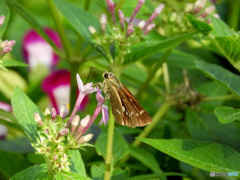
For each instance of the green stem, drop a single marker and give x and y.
(74, 87)
(86, 4)
(108, 161)
(59, 27)
(152, 73)
(233, 16)
(166, 77)
(156, 118)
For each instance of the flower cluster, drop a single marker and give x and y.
(58, 134)
(5, 46)
(122, 33)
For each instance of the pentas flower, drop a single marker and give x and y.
(37, 51)
(3, 129)
(83, 91)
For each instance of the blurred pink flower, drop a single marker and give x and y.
(57, 87)
(3, 129)
(37, 51)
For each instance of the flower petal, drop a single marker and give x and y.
(105, 115)
(80, 84)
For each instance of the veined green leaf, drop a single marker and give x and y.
(77, 164)
(205, 155)
(227, 114)
(151, 49)
(24, 110)
(200, 26)
(221, 75)
(220, 28)
(4, 11)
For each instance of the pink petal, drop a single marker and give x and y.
(5, 106)
(105, 115)
(80, 83)
(36, 49)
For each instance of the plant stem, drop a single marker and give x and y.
(59, 27)
(74, 87)
(152, 73)
(86, 4)
(108, 161)
(233, 18)
(166, 77)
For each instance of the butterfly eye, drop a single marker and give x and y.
(106, 75)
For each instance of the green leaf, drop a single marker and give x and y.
(220, 28)
(120, 147)
(37, 172)
(11, 163)
(71, 176)
(205, 155)
(77, 17)
(13, 63)
(151, 49)
(221, 75)
(199, 25)
(29, 18)
(227, 114)
(17, 145)
(4, 11)
(229, 48)
(9, 120)
(24, 110)
(145, 157)
(77, 164)
(36, 158)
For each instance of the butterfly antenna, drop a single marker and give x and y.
(91, 68)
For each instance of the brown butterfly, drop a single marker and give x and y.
(126, 109)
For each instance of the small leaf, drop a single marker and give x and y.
(145, 157)
(120, 147)
(13, 63)
(220, 28)
(151, 49)
(24, 110)
(4, 11)
(37, 172)
(221, 75)
(77, 164)
(77, 17)
(227, 114)
(11, 163)
(200, 26)
(205, 155)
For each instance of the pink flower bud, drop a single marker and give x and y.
(208, 11)
(6, 50)
(130, 29)
(11, 43)
(121, 18)
(84, 122)
(103, 22)
(75, 123)
(85, 138)
(38, 119)
(2, 18)
(62, 132)
(141, 24)
(53, 114)
(156, 12)
(111, 9)
(47, 112)
(199, 5)
(92, 30)
(4, 44)
(188, 8)
(63, 111)
(138, 7)
(149, 28)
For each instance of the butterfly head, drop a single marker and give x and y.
(107, 75)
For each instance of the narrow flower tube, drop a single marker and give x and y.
(137, 8)
(121, 18)
(103, 21)
(111, 9)
(84, 122)
(130, 29)
(2, 19)
(156, 12)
